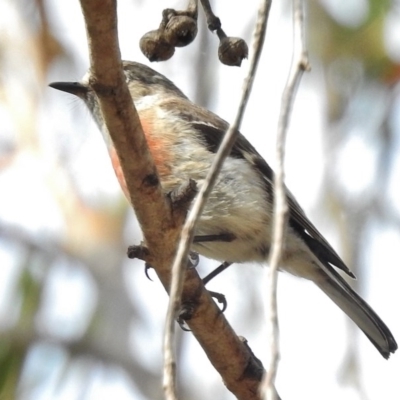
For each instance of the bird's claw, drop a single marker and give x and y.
(193, 259)
(220, 298)
(185, 314)
(147, 266)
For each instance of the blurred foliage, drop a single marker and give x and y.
(344, 48)
(361, 83)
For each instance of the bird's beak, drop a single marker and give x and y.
(75, 88)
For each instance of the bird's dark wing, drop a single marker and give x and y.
(211, 129)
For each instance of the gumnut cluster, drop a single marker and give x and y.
(179, 28)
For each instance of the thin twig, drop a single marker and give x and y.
(213, 22)
(298, 66)
(193, 8)
(200, 201)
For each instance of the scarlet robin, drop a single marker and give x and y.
(183, 139)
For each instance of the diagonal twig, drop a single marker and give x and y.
(200, 201)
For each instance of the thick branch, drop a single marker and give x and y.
(228, 354)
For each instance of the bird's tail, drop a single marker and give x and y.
(338, 290)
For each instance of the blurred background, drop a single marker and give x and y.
(78, 320)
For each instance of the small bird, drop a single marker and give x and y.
(236, 225)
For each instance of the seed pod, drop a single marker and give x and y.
(155, 47)
(180, 30)
(232, 51)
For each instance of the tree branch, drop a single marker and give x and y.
(233, 359)
(298, 66)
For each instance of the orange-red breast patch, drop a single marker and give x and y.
(118, 171)
(157, 141)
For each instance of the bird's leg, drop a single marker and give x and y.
(216, 272)
(194, 261)
(223, 237)
(218, 296)
(141, 252)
